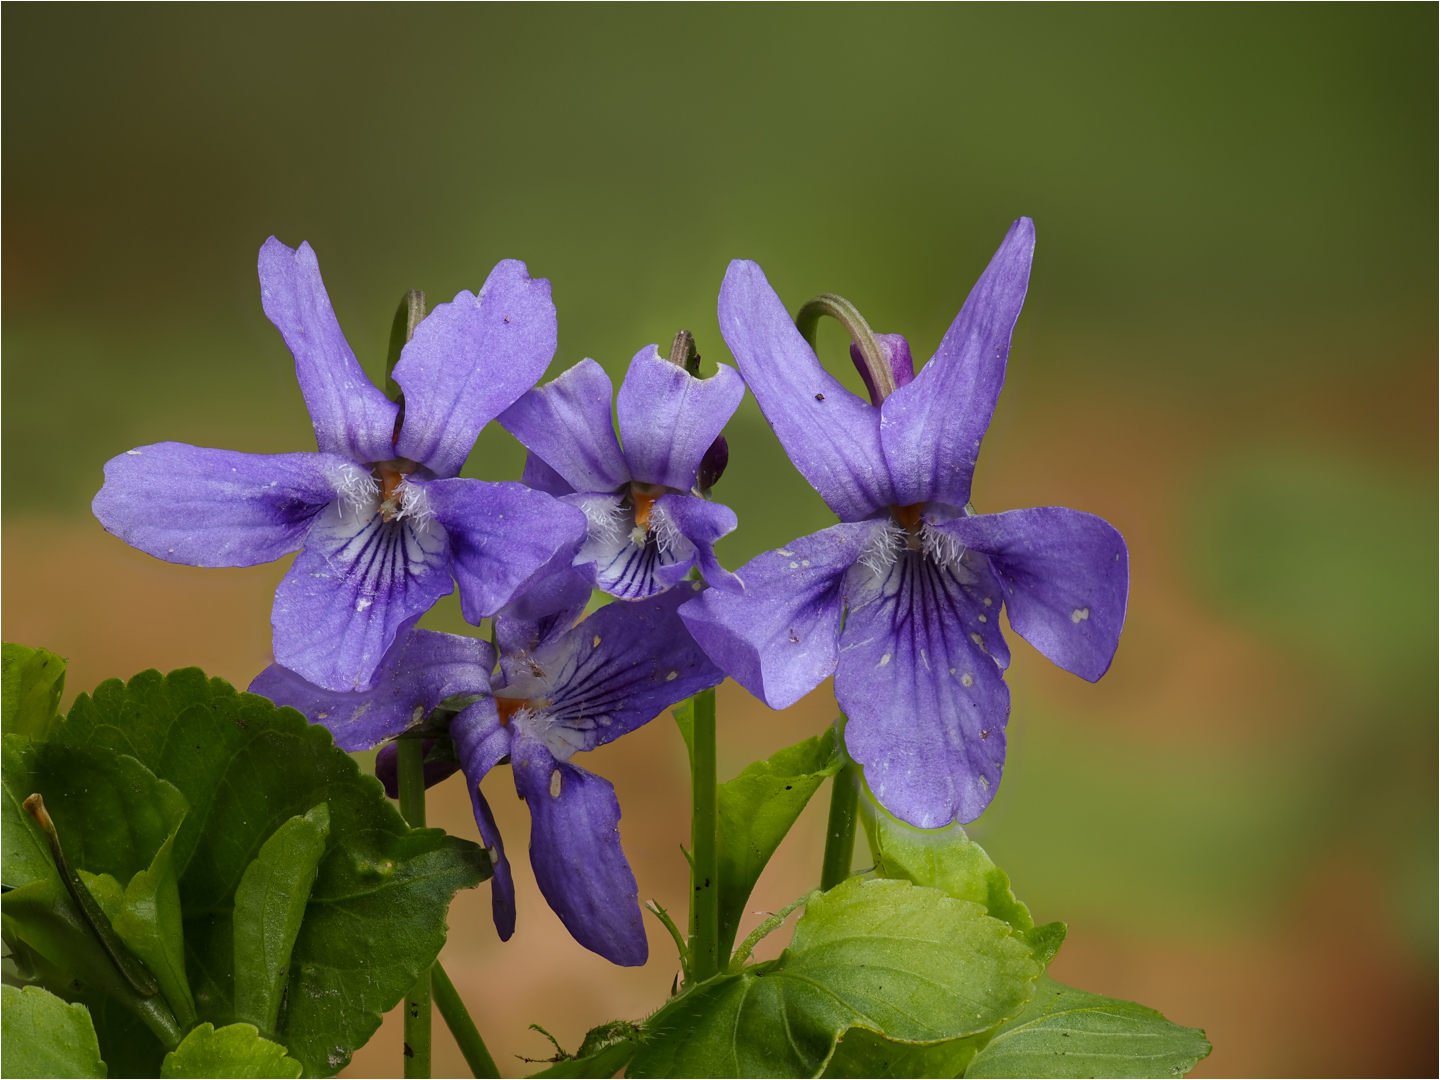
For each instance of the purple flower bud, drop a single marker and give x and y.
(712, 465)
(897, 354)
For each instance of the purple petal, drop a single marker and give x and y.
(614, 672)
(422, 669)
(542, 477)
(897, 356)
(567, 424)
(504, 538)
(920, 680)
(780, 640)
(933, 427)
(614, 561)
(387, 767)
(830, 434)
(468, 362)
(481, 743)
(576, 855)
(358, 581)
(702, 523)
(669, 418)
(1066, 580)
(542, 614)
(351, 416)
(187, 504)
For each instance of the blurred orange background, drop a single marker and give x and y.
(1228, 352)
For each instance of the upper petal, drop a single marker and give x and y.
(931, 428)
(779, 640)
(422, 669)
(469, 360)
(614, 672)
(504, 538)
(567, 424)
(188, 504)
(351, 416)
(1066, 580)
(576, 854)
(830, 434)
(669, 418)
(359, 580)
(920, 680)
(542, 613)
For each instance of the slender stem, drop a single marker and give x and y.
(457, 1018)
(704, 825)
(840, 832)
(807, 321)
(410, 764)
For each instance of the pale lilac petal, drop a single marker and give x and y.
(614, 672)
(387, 767)
(468, 362)
(669, 418)
(481, 742)
(422, 669)
(567, 424)
(351, 416)
(780, 639)
(832, 436)
(932, 428)
(1066, 580)
(504, 538)
(540, 615)
(359, 580)
(618, 559)
(188, 504)
(702, 523)
(542, 477)
(576, 854)
(920, 680)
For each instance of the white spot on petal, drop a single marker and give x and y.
(555, 784)
(418, 714)
(984, 618)
(137, 453)
(967, 679)
(362, 604)
(988, 601)
(1079, 614)
(794, 566)
(884, 660)
(672, 676)
(781, 551)
(977, 639)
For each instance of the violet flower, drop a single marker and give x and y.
(648, 520)
(561, 689)
(379, 519)
(901, 600)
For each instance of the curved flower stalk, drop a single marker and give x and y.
(561, 689)
(380, 520)
(649, 520)
(901, 600)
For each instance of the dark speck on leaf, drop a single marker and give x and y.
(819, 397)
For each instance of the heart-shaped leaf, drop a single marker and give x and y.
(46, 1037)
(234, 1051)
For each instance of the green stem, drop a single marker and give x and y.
(704, 846)
(457, 1018)
(840, 832)
(410, 763)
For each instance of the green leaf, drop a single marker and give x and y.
(44, 1036)
(1067, 1032)
(269, 907)
(604, 1052)
(31, 682)
(863, 1053)
(376, 914)
(151, 924)
(237, 1050)
(889, 956)
(757, 809)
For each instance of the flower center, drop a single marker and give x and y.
(510, 707)
(642, 500)
(911, 519)
(391, 475)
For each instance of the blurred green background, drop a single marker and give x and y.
(1228, 350)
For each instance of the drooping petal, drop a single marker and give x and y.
(480, 743)
(504, 538)
(614, 672)
(541, 615)
(351, 416)
(576, 855)
(422, 669)
(188, 504)
(1066, 580)
(932, 428)
(669, 418)
(779, 640)
(626, 562)
(920, 680)
(567, 424)
(387, 767)
(542, 477)
(702, 523)
(468, 362)
(359, 580)
(830, 434)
